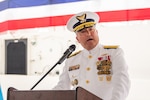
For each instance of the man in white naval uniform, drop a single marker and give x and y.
(100, 69)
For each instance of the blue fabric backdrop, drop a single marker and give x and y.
(27, 3)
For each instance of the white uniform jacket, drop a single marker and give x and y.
(101, 71)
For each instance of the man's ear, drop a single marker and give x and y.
(77, 39)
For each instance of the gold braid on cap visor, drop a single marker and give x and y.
(83, 25)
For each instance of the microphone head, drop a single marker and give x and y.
(72, 47)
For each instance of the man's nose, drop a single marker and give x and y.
(88, 32)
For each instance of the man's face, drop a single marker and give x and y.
(88, 37)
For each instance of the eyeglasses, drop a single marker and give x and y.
(86, 30)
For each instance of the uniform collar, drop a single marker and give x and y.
(93, 51)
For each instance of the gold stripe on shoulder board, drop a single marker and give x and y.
(111, 46)
(74, 54)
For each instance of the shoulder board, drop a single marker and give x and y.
(111, 46)
(74, 54)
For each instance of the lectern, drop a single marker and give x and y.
(78, 94)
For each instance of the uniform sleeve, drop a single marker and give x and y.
(64, 80)
(120, 78)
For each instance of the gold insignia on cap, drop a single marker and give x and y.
(83, 25)
(81, 18)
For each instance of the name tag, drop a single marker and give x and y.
(71, 68)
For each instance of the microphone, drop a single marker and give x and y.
(67, 53)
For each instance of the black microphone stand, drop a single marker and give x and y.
(44, 76)
(66, 54)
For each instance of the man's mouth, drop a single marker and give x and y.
(89, 39)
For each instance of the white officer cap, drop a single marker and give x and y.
(82, 20)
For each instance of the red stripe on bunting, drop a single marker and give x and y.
(108, 16)
(125, 15)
